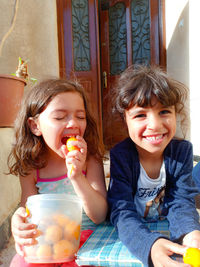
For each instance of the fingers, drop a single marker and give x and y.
(163, 249)
(24, 230)
(19, 250)
(24, 233)
(80, 143)
(77, 155)
(176, 248)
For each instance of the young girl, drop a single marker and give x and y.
(53, 111)
(151, 170)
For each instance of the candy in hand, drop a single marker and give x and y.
(70, 147)
(192, 257)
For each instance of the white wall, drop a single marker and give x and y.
(33, 37)
(194, 50)
(177, 46)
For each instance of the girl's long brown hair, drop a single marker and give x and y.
(28, 149)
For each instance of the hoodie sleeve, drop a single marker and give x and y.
(123, 215)
(180, 190)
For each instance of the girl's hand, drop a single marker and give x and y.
(22, 231)
(192, 239)
(75, 159)
(161, 251)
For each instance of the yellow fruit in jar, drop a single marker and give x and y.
(44, 251)
(61, 219)
(70, 147)
(64, 249)
(192, 257)
(53, 233)
(72, 231)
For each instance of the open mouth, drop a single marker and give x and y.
(65, 138)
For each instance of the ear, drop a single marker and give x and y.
(34, 126)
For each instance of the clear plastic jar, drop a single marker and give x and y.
(58, 218)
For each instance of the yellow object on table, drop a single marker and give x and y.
(192, 257)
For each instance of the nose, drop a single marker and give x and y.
(71, 122)
(154, 122)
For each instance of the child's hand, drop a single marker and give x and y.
(161, 251)
(23, 232)
(192, 239)
(75, 159)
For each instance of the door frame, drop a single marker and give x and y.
(66, 65)
(64, 20)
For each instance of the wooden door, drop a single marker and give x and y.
(78, 36)
(131, 32)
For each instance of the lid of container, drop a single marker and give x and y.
(53, 197)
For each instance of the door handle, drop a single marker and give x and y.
(105, 80)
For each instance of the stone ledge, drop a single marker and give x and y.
(5, 230)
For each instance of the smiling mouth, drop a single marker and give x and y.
(155, 137)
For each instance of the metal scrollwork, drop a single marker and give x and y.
(117, 38)
(81, 41)
(140, 31)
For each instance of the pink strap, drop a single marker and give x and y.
(52, 179)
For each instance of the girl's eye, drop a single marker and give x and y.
(165, 111)
(81, 116)
(140, 116)
(58, 118)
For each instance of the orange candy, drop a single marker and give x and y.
(70, 147)
(44, 251)
(72, 231)
(192, 257)
(53, 233)
(64, 249)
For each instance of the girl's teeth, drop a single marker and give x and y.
(153, 138)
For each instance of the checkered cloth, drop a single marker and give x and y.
(103, 247)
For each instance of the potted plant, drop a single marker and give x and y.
(11, 94)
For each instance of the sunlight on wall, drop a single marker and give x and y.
(194, 45)
(173, 10)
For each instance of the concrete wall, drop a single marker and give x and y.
(183, 57)
(194, 45)
(33, 37)
(177, 45)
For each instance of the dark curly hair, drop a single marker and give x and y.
(28, 149)
(138, 83)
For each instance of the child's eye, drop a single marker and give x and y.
(58, 118)
(140, 116)
(81, 117)
(165, 111)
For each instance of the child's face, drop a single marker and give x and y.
(63, 117)
(151, 128)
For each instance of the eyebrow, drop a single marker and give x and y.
(65, 110)
(135, 111)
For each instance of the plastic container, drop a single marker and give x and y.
(58, 217)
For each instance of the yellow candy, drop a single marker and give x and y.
(192, 257)
(69, 146)
(53, 233)
(44, 251)
(64, 249)
(28, 211)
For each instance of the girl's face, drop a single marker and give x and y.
(63, 117)
(151, 128)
